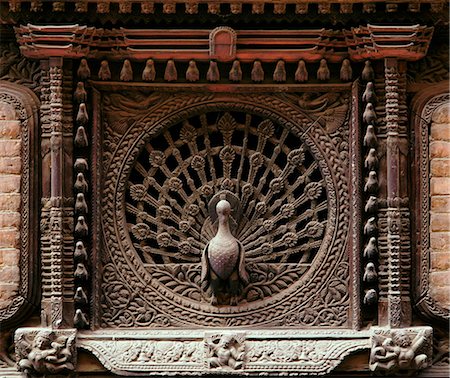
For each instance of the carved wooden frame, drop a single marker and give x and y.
(26, 105)
(424, 105)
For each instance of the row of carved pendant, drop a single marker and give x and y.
(213, 74)
(371, 188)
(81, 189)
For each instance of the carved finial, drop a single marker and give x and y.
(371, 297)
(324, 8)
(149, 72)
(126, 74)
(147, 7)
(371, 227)
(80, 94)
(372, 183)
(370, 274)
(213, 74)
(279, 75)
(236, 8)
(369, 115)
(80, 183)
(81, 228)
(371, 250)
(368, 73)
(370, 138)
(346, 72)
(103, 7)
(323, 73)
(104, 73)
(170, 74)
(81, 165)
(84, 72)
(82, 115)
(169, 8)
(235, 72)
(79, 320)
(80, 254)
(371, 205)
(80, 204)
(258, 8)
(192, 73)
(81, 272)
(80, 297)
(257, 72)
(81, 139)
(369, 93)
(214, 7)
(279, 8)
(301, 74)
(191, 7)
(301, 8)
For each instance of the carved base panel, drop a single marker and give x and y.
(240, 352)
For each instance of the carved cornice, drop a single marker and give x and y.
(365, 42)
(191, 7)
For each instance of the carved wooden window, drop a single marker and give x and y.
(166, 162)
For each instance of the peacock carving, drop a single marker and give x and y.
(276, 216)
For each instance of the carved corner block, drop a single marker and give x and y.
(401, 351)
(45, 351)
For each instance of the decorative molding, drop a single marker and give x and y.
(424, 105)
(26, 105)
(364, 42)
(189, 352)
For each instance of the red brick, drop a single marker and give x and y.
(9, 257)
(440, 222)
(440, 204)
(440, 261)
(440, 132)
(441, 295)
(439, 149)
(440, 279)
(440, 241)
(10, 201)
(9, 219)
(10, 147)
(9, 237)
(440, 185)
(8, 290)
(440, 167)
(9, 274)
(9, 183)
(10, 129)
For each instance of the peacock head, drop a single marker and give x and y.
(223, 209)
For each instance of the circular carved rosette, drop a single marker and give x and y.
(172, 165)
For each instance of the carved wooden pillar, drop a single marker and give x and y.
(57, 211)
(395, 306)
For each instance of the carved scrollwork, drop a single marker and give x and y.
(179, 154)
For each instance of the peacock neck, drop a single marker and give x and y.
(224, 227)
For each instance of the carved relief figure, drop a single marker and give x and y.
(223, 265)
(225, 352)
(47, 353)
(397, 352)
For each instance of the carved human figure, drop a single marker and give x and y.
(223, 263)
(226, 354)
(398, 353)
(46, 356)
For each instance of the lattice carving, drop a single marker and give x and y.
(286, 208)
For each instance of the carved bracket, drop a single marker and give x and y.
(400, 351)
(45, 351)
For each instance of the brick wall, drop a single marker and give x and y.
(10, 167)
(440, 205)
